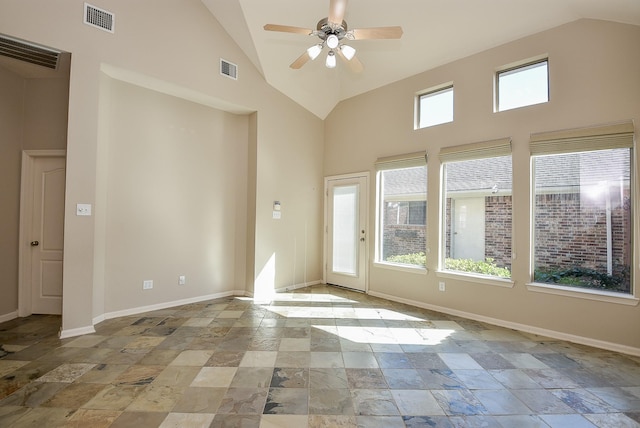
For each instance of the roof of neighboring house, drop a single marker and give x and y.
(407, 181)
(557, 171)
(580, 169)
(479, 174)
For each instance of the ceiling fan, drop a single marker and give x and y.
(332, 32)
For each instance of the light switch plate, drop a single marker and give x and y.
(277, 215)
(83, 209)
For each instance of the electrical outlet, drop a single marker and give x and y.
(147, 284)
(441, 286)
(182, 280)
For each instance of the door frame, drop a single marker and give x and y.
(26, 213)
(363, 194)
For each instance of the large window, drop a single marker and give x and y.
(582, 208)
(522, 86)
(477, 207)
(435, 107)
(402, 210)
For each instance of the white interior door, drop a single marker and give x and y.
(468, 228)
(45, 219)
(346, 250)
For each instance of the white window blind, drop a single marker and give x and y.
(481, 150)
(408, 160)
(613, 136)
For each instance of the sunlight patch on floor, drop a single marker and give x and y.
(340, 313)
(389, 335)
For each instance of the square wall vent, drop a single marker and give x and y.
(228, 69)
(99, 18)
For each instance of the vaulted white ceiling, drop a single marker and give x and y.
(435, 32)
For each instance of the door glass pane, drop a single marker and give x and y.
(345, 229)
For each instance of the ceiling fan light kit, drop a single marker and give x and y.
(314, 51)
(331, 60)
(348, 52)
(331, 31)
(332, 41)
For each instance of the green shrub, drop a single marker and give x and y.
(584, 277)
(417, 259)
(486, 267)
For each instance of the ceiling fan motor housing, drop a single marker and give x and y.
(326, 28)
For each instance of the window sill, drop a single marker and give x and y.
(402, 268)
(485, 280)
(579, 293)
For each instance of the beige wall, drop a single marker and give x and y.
(45, 112)
(594, 68)
(297, 258)
(181, 59)
(176, 193)
(11, 120)
(33, 116)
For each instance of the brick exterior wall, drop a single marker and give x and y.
(572, 229)
(498, 229)
(403, 239)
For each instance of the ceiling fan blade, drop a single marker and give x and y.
(354, 63)
(337, 9)
(300, 61)
(376, 33)
(288, 29)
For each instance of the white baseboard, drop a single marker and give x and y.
(165, 305)
(297, 286)
(8, 317)
(284, 289)
(72, 332)
(610, 346)
(241, 293)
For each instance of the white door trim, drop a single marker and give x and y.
(365, 195)
(26, 208)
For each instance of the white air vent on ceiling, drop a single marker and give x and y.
(228, 69)
(99, 18)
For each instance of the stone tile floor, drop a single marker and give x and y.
(318, 357)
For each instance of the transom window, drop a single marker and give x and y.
(435, 107)
(522, 86)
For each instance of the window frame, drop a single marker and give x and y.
(440, 89)
(578, 140)
(474, 151)
(511, 69)
(397, 162)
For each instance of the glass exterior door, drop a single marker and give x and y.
(346, 232)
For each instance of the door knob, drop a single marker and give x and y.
(35, 243)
